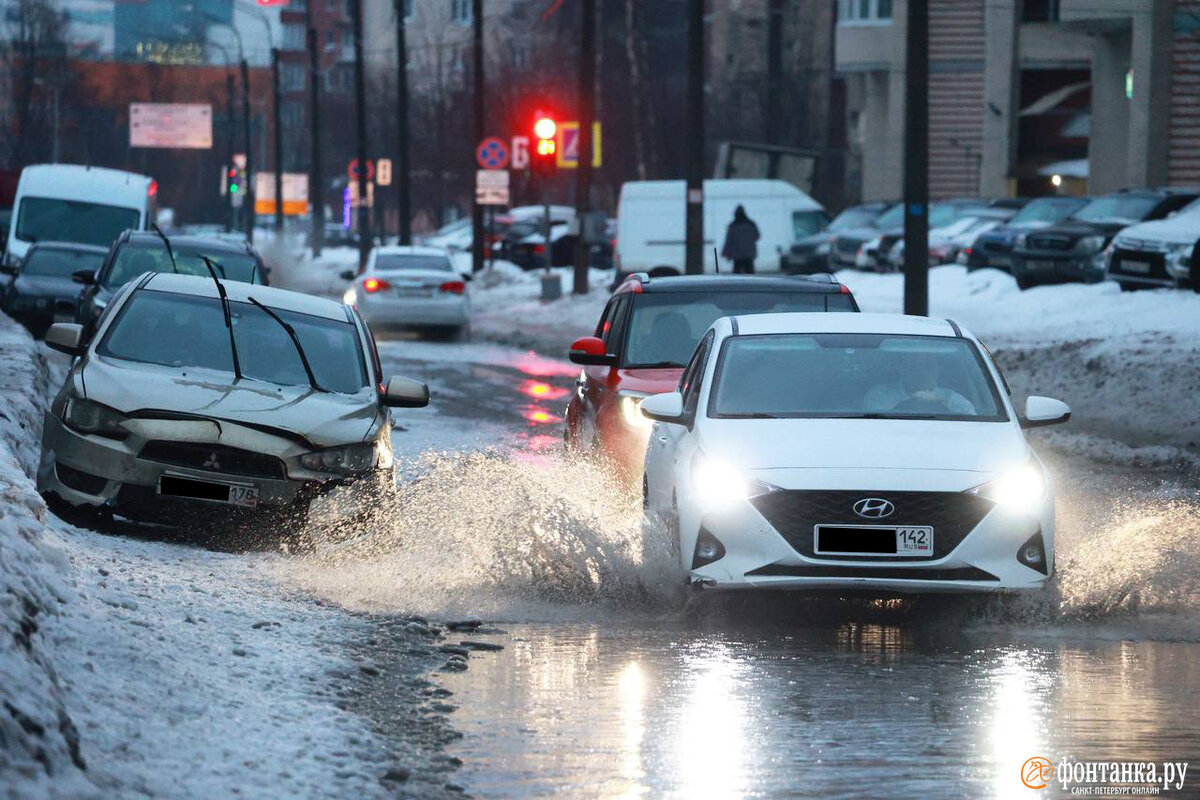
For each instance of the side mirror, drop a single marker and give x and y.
(1043, 411)
(65, 337)
(405, 393)
(348, 275)
(590, 351)
(664, 407)
(85, 276)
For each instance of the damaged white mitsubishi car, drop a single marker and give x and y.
(201, 402)
(862, 452)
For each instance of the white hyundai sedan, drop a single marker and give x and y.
(412, 287)
(866, 452)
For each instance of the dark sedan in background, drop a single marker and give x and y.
(41, 289)
(994, 248)
(1073, 250)
(810, 254)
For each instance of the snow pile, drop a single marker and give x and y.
(506, 307)
(300, 272)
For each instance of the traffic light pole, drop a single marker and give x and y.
(916, 161)
(477, 233)
(230, 221)
(360, 108)
(583, 174)
(695, 139)
(403, 196)
(316, 194)
(248, 203)
(278, 140)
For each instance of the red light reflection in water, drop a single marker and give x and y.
(539, 390)
(540, 416)
(539, 367)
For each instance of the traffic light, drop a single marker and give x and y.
(544, 130)
(232, 174)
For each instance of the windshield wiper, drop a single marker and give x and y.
(237, 365)
(874, 415)
(291, 332)
(170, 252)
(751, 415)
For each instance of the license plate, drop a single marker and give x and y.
(233, 494)
(63, 316)
(412, 291)
(1039, 265)
(243, 496)
(1132, 265)
(873, 540)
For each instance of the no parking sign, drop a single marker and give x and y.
(492, 153)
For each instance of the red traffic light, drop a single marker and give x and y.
(544, 128)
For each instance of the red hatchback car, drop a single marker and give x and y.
(645, 338)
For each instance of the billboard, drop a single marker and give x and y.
(176, 126)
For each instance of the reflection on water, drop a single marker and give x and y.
(847, 710)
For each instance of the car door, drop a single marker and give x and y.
(667, 443)
(597, 384)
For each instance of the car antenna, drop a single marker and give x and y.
(716, 262)
(312, 379)
(170, 252)
(237, 364)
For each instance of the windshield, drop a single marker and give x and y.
(134, 258)
(665, 328)
(1046, 209)
(407, 263)
(854, 218)
(60, 263)
(179, 330)
(854, 376)
(806, 223)
(41, 219)
(944, 213)
(892, 218)
(1125, 209)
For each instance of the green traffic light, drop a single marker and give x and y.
(233, 188)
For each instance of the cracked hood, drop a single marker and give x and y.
(322, 419)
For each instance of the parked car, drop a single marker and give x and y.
(810, 252)
(410, 286)
(83, 205)
(645, 337)
(874, 246)
(1156, 253)
(193, 407)
(42, 290)
(135, 252)
(846, 244)
(860, 452)
(1073, 250)
(651, 222)
(993, 248)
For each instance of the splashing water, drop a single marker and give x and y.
(517, 535)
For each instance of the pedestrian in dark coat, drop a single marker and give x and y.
(741, 242)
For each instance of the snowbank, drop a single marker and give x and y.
(506, 307)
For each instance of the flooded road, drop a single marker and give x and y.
(614, 681)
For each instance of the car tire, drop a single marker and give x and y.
(89, 517)
(1024, 283)
(1128, 287)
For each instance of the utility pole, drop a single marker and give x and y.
(695, 139)
(583, 173)
(248, 203)
(278, 140)
(773, 108)
(229, 92)
(360, 107)
(477, 233)
(403, 184)
(916, 161)
(316, 193)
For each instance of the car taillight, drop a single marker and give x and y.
(453, 287)
(372, 285)
(845, 289)
(152, 190)
(539, 249)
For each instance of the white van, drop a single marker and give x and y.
(651, 222)
(73, 203)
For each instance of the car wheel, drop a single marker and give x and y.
(663, 272)
(1024, 283)
(1128, 287)
(79, 516)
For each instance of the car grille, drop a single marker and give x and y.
(1157, 270)
(952, 515)
(993, 246)
(1050, 241)
(848, 246)
(888, 573)
(214, 458)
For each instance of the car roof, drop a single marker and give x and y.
(815, 322)
(83, 248)
(409, 250)
(639, 282)
(213, 243)
(242, 292)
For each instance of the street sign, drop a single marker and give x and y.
(352, 170)
(353, 195)
(520, 153)
(383, 172)
(239, 160)
(492, 153)
(176, 126)
(491, 187)
(568, 145)
(295, 193)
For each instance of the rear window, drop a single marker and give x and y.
(60, 263)
(134, 258)
(42, 219)
(806, 223)
(408, 263)
(665, 327)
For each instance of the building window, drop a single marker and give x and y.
(864, 11)
(292, 115)
(460, 11)
(1040, 11)
(408, 9)
(291, 76)
(293, 36)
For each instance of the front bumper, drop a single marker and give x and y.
(1038, 266)
(757, 555)
(88, 470)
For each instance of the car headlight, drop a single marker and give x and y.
(1020, 491)
(88, 417)
(1090, 244)
(347, 460)
(631, 410)
(717, 484)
